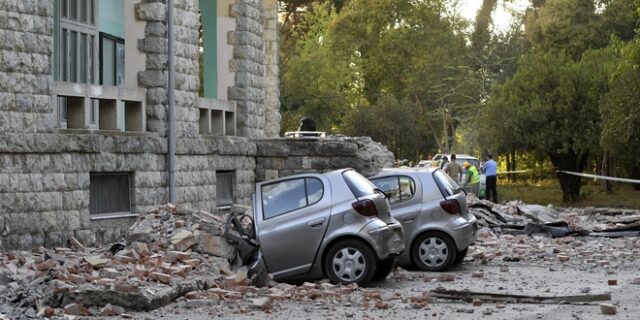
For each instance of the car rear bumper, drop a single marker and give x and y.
(387, 240)
(464, 231)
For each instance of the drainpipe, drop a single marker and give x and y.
(171, 100)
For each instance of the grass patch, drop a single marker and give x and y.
(546, 192)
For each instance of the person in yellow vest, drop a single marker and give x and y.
(472, 181)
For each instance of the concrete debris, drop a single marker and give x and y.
(168, 253)
(607, 308)
(477, 298)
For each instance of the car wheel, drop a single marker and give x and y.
(433, 251)
(460, 255)
(350, 261)
(383, 269)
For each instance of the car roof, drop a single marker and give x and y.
(411, 169)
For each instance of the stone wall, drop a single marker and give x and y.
(25, 66)
(248, 65)
(283, 157)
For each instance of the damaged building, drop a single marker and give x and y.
(84, 114)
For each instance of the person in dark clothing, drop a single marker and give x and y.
(490, 168)
(307, 124)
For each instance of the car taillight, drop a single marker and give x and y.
(365, 207)
(450, 206)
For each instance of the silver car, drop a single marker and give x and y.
(335, 224)
(432, 209)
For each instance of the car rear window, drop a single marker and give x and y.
(397, 188)
(447, 186)
(358, 184)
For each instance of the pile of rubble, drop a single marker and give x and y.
(516, 217)
(514, 232)
(170, 252)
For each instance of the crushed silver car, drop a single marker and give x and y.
(432, 209)
(335, 224)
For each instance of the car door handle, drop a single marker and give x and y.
(317, 223)
(409, 218)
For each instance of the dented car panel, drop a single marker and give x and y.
(299, 219)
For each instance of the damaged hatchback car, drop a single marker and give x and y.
(335, 225)
(432, 209)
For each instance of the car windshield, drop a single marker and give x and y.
(358, 184)
(447, 186)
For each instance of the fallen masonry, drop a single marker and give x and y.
(169, 252)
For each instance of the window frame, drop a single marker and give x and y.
(306, 196)
(129, 194)
(232, 183)
(65, 27)
(396, 179)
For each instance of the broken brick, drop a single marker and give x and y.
(46, 265)
(76, 309)
(446, 277)
(183, 240)
(159, 276)
(607, 308)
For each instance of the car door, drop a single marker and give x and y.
(404, 198)
(291, 217)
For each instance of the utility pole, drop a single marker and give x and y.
(171, 132)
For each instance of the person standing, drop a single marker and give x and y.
(454, 169)
(444, 162)
(490, 168)
(472, 182)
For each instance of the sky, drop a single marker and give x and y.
(502, 16)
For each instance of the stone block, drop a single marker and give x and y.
(155, 11)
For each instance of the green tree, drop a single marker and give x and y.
(317, 82)
(621, 110)
(415, 52)
(550, 107)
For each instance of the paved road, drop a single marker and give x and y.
(392, 299)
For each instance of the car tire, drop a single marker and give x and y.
(460, 256)
(350, 261)
(433, 251)
(383, 269)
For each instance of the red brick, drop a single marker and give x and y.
(74, 278)
(612, 282)
(607, 308)
(477, 274)
(193, 262)
(162, 277)
(76, 309)
(446, 277)
(46, 265)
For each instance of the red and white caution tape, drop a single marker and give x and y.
(594, 176)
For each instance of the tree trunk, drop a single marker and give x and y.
(605, 170)
(569, 184)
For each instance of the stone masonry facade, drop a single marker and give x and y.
(45, 171)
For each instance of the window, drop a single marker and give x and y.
(358, 184)
(224, 187)
(397, 188)
(446, 185)
(76, 41)
(285, 196)
(111, 60)
(109, 193)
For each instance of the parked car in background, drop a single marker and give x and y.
(432, 209)
(335, 224)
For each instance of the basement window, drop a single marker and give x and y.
(110, 193)
(224, 187)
